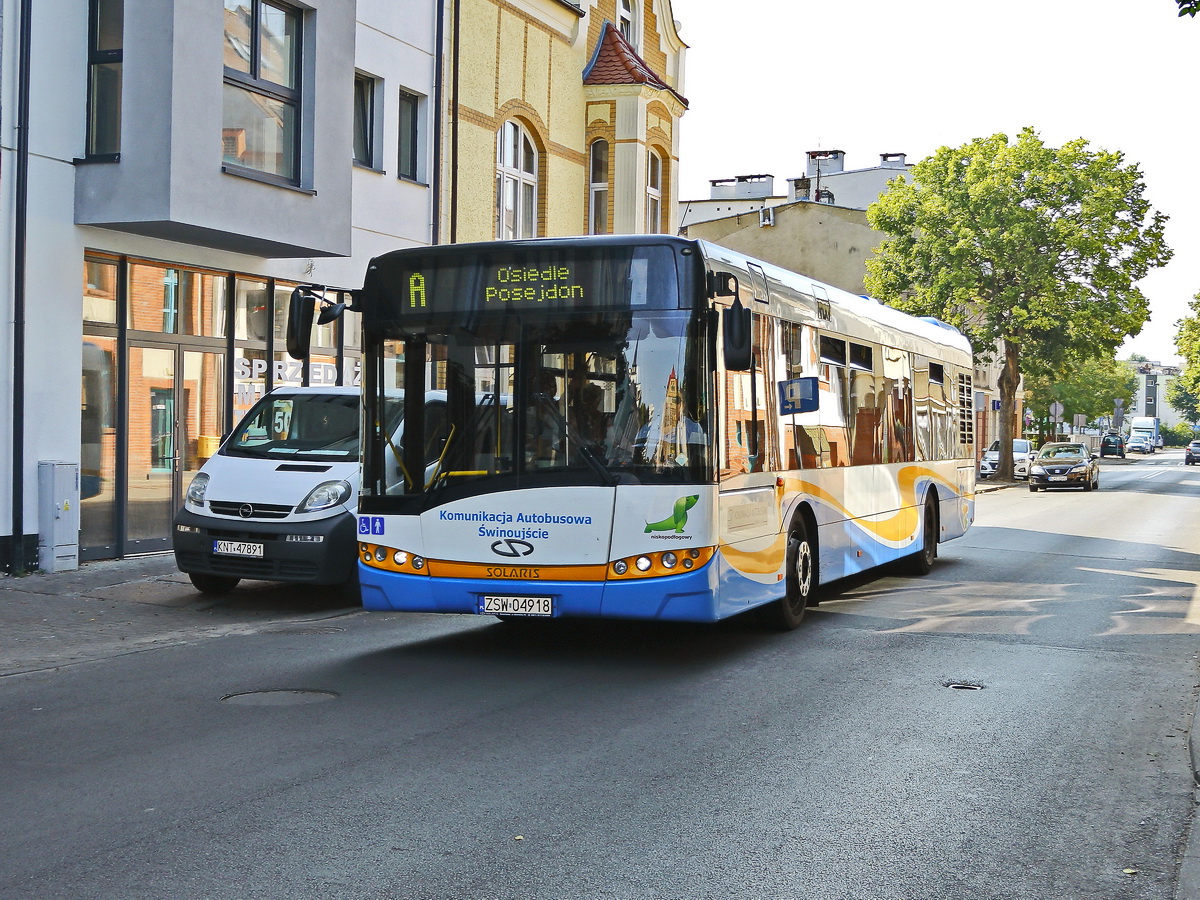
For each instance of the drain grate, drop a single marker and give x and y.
(282, 697)
(963, 685)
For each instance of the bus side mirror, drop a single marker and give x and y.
(301, 308)
(722, 284)
(735, 332)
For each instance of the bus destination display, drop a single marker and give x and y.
(515, 284)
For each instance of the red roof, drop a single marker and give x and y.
(616, 62)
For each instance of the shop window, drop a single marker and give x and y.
(171, 300)
(100, 291)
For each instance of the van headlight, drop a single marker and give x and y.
(326, 495)
(197, 489)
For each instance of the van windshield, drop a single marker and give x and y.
(309, 427)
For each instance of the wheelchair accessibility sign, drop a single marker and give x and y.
(370, 524)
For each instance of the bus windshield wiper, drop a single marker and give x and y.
(607, 478)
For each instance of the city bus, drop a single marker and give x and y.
(644, 427)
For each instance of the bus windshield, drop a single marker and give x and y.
(555, 397)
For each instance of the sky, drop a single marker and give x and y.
(769, 80)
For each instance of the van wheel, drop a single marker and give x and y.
(921, 562)
(801, 583)
(213, 584)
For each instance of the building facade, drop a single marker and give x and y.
(178, 167)
(556, 151)
(182, 166)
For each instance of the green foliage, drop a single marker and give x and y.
(1083, 388)
(1188, 7)
(1021, 242)
(1184, 392)
(1032, 251)
(1176, 435)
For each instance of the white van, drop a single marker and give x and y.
(277, 501)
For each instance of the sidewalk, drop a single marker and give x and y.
(115, 607)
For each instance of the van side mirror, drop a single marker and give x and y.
(736, 335)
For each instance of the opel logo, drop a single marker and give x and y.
(512, 548)
(245, 510)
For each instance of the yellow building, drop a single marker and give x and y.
(561, 119)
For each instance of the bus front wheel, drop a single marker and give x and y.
(788, 611)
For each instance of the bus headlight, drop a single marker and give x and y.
(197, 489)
(326, 495)
(669, 560)
(620, 567)
(643, 563)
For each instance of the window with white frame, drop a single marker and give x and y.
(627, 20)
(598, 189)
(653, 193)
(260, 121)
(516, 182)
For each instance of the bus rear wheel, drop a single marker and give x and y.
(801, 582)
(921, 562)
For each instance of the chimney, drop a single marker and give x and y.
(825, 162)
(892, 161)
(743, 187)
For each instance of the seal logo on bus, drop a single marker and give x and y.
(677, 520)
(512, 548)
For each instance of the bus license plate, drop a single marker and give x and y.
(237, 548)
(516, 606)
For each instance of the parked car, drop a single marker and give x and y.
(1191, 453)
(1064, 465)
(1158, 442)
(1112, 445)
(1023, 452)
(1139, 444)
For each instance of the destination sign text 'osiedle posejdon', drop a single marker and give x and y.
(515, 284)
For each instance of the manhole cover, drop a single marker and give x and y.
(284, 697)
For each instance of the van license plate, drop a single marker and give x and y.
(237, 548)
(516, 606)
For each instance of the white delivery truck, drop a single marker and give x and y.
(277, 501)
(1147, 427)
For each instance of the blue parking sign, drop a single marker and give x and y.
(799, 395)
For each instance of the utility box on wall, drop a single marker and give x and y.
(58, 516)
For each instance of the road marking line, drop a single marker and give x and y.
(1176, 575)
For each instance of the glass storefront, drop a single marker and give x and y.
(172, 357)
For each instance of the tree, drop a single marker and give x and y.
(1086, 388)
(1030, 250)
(1183, 393)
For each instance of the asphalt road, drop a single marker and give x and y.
(1014, 725)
